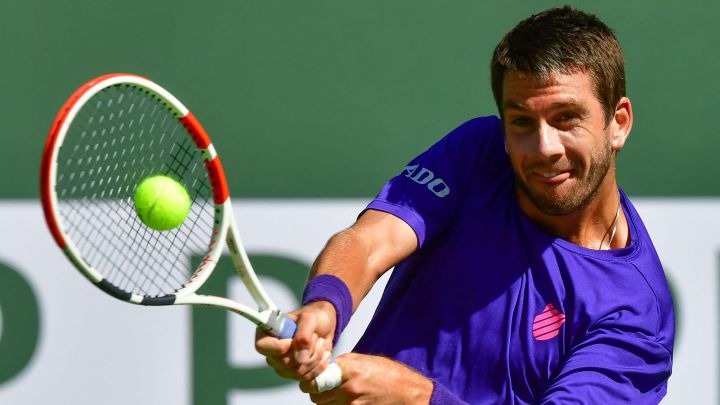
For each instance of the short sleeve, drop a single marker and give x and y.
(431, 187)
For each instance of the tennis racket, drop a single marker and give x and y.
(113, 132)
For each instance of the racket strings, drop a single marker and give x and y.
(118, 253)
(120, 136)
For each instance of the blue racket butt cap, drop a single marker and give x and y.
(287, 328)
(279, 325)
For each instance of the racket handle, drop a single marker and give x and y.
(328, 379)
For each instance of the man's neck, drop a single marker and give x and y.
(589, 226)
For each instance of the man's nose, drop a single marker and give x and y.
(548, 141)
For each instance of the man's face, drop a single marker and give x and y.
(557, 140)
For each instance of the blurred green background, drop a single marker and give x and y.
(330, 98)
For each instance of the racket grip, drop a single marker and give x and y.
(328, 379)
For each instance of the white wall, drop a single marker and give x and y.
(97, 350)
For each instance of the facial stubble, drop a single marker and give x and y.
(583, 193)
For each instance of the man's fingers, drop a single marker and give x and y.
(308, 387)
(305, 338)
(286, 365)
(329, 397)
(314, 364)
(279, 367)
(309, 384)
(271, 346)
(318, 367)
(305, 355)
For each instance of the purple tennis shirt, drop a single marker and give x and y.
(495, 311)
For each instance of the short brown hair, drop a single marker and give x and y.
(562, 40)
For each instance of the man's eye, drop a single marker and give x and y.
(521, 121)
(565, 117)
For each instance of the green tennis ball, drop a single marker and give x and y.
(161, 202)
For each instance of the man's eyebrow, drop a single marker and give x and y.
(569, 104)
(514, 105)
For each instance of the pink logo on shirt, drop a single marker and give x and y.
(547, 324)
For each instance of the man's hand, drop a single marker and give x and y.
(308, 353)
(373, 380)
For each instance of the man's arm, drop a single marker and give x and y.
(376, 380)
(362, 253)
(358, 256)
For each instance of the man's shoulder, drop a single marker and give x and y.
(479, 128)
(478, 142)
(644, 286)
(646, 261)
(487, 121)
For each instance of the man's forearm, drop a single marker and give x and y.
(347, 257)
(354, 259)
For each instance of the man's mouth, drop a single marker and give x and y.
(550, 177)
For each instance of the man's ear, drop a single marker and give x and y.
(621, 124)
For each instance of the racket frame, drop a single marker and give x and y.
(225, 231)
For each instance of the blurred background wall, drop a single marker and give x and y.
(312, 105)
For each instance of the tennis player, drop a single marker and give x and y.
(523, 273)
